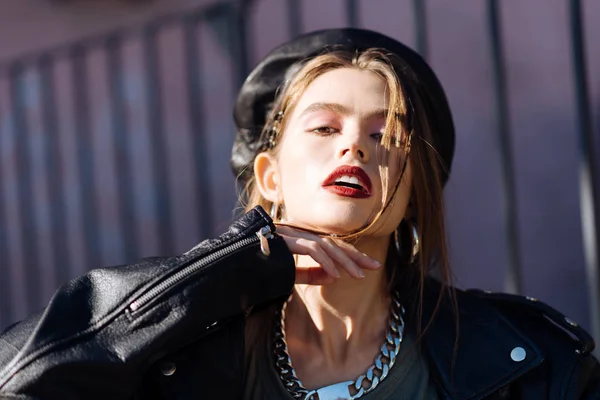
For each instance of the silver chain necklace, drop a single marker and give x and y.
(343, 390)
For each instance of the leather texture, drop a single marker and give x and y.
(556, 357)
(89, 344)
(187, 341)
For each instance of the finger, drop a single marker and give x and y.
(331, 249)
(298, 245)
(359, 257)
(344, 254)
(289, 231)
(341, 258)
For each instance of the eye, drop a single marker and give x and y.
(325, 130)
(377, 136)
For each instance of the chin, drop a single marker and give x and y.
(338, 221)
(339, 227)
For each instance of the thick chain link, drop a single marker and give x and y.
(364, 383)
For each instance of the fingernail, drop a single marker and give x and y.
(376, 263)
(361, 273)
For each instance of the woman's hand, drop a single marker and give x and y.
(329, 255)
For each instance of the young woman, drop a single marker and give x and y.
(346, 138)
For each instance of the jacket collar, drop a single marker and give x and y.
(489, 348)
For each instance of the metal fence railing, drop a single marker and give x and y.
(38, 137)
(45, 143)
(589, 191)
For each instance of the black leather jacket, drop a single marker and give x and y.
(173, 328)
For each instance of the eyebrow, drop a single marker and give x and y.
(343, 110)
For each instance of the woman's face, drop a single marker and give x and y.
(330, 154)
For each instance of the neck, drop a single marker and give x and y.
(345, 318)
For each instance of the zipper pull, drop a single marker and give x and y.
(263, 235)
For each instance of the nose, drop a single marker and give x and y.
(354, 146)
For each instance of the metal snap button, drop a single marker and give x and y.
(518, 354)
(168, 368)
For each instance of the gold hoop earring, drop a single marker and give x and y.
(274, 209)
(416, 243)
(276, 212)
(416, 247)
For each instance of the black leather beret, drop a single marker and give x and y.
(257, 94)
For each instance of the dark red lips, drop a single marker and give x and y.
(359, 190)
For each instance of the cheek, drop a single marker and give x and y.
(397, 210)
(396, 163)
(302, 162)
(390, 165)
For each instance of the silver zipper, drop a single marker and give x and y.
(261, 236)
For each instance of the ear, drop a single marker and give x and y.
(266, 175)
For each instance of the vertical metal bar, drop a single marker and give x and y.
(54, 175)
(420, 18)
(513, 276)
(6, 303)
(352, 13)
(588, 180)
(122, 150)
(25, 186)
(6, 315)
(160, 165)
(85, 157)
(196, 114)
(294, 17)
(240, 34)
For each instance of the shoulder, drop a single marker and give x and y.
(502, 335)
(485, 318)
(565, 347)
(541, 322)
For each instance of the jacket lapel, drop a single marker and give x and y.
(490, 352)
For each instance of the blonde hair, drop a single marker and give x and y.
(406, 127)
